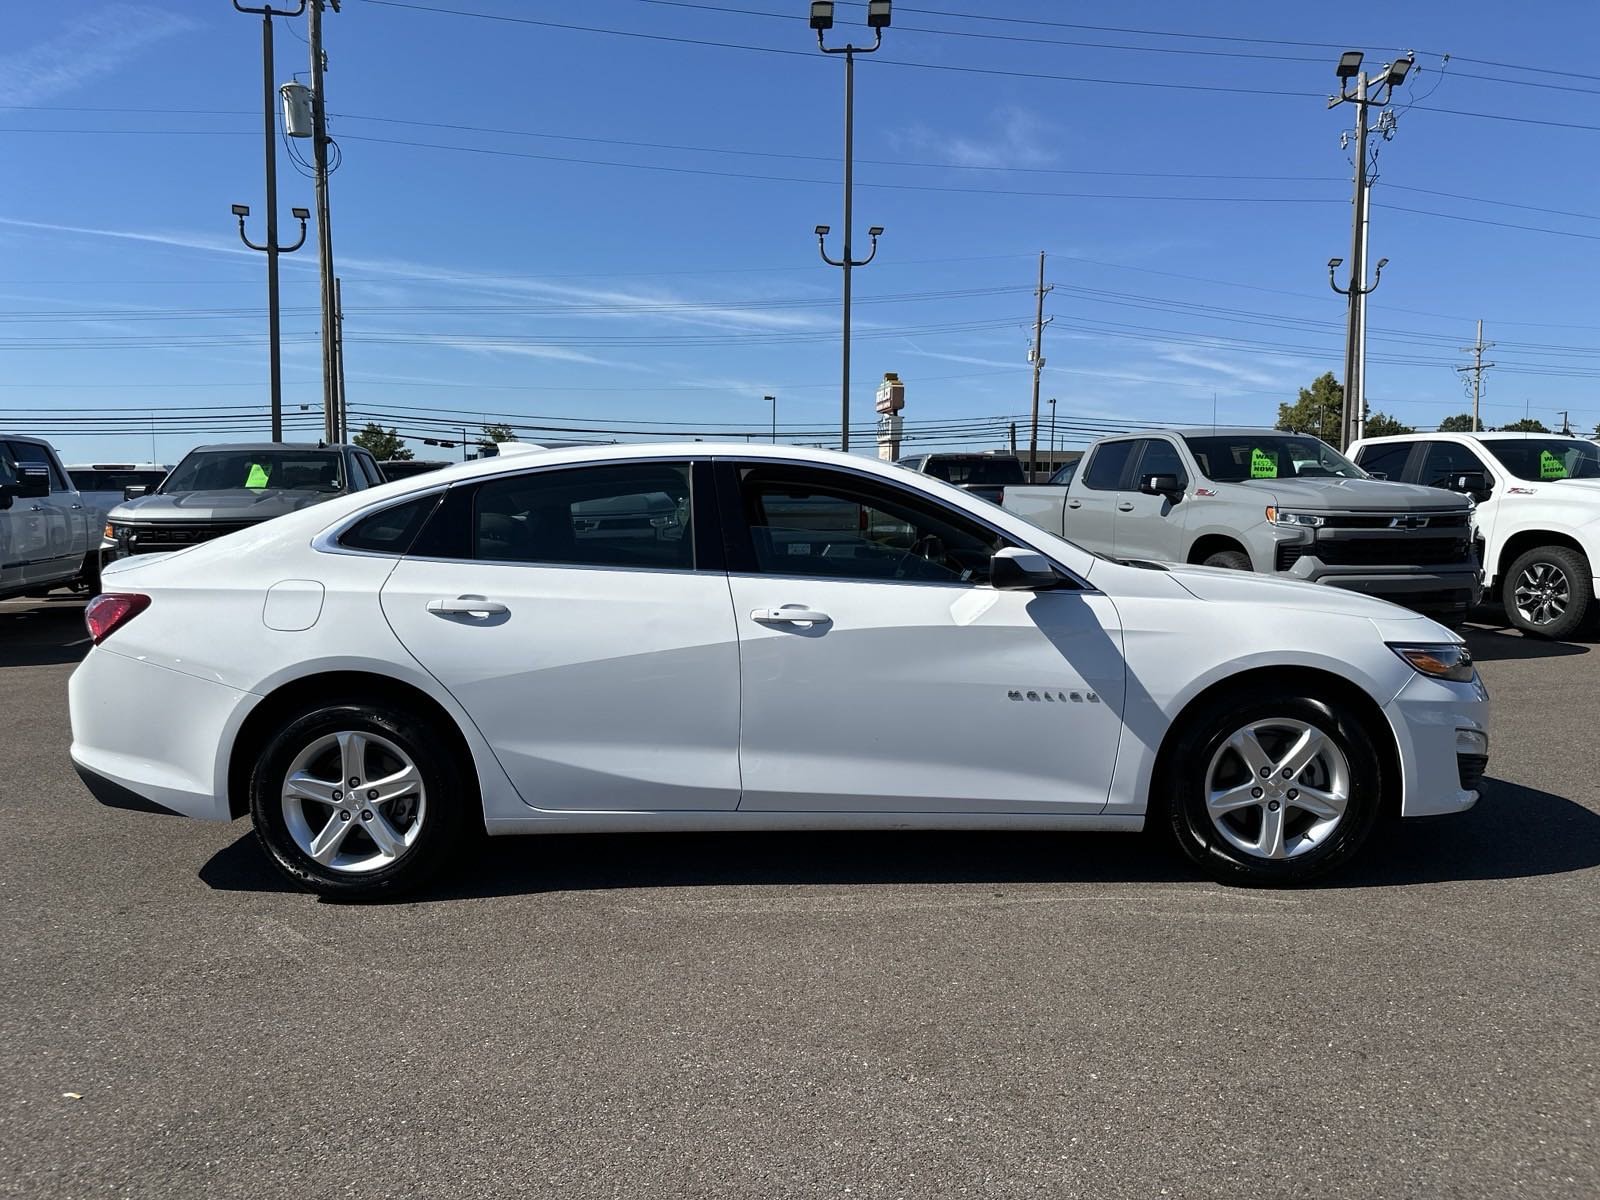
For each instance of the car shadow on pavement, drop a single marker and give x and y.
(1493, 645)
(1513, 832)
(45, 633)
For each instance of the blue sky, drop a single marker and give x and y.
(634, 244)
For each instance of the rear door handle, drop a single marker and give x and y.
(1125, 506)
(790, 614)
(76, 507)
(470, 606)
(1074, 503)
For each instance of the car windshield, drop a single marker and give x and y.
(975, 469)
(1547, 458)
(1235, 458)
(257, 471)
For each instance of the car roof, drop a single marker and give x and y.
(1482, 435)
(254, 447)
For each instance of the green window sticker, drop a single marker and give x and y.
(1263, 465)
(1551, 466)
(257, 479)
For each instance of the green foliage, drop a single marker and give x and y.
(495, 434)
(1319, 409)
(1526, 425)
(1383, 425)
(1460, 423)
(385, 445)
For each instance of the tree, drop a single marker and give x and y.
(1319, 410)
(1526, 425)
(1460, 423)
(385, 445)
(493, 435)
(1383, 425)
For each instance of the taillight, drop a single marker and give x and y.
(106, 614)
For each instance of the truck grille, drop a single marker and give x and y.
(1387, 520)
(1377, 552)
(156, 539)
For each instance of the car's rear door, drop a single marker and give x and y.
(1091, 511)
(599, 658)
(881, 673)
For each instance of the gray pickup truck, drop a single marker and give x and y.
(1260, 500)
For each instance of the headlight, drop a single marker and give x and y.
(1446, 660)
(1277, 516)
(110, 533)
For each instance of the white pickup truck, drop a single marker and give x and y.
(1265, 501)
(1538, 513)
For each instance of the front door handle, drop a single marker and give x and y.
(470, 606)
(790, 614)
(1074, 503)
(76, 507)
(1125, 506)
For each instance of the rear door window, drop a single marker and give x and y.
(1107, 463)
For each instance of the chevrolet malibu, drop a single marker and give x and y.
(755, 639)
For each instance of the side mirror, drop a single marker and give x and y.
(1162, 485)
(1017, 570)
(1474, 484)
(34, 481)
(1379, 474)
(135, 490)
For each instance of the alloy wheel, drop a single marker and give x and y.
(1542, 593)
(354, 802)
(1277, 788)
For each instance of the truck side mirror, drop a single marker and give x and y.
(34, 481)
(1017, 570)
(1474, 484)
(1162, 485)
(134, 490)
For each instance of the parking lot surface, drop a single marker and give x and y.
(916, 1015)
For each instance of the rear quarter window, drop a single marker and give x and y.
(391, 530)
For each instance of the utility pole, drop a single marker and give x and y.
(272, 249)
(1566, 425)
(821, 21)
(1371, 91)
(332, 419)
(338, 346)
(1037, 355)
(1477, 368)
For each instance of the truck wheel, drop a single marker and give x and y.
(1547, 591)
(89, 576)
(1229, 560)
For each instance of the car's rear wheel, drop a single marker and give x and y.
(1272, 788)
(1547, 591)
(359, 800)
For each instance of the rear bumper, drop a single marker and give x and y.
(1442, 729)
(147, 737)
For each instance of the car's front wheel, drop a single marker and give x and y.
(359, 800)
(1272, 788)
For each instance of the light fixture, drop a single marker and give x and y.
(1335, 263)
(1398, 70)
(823, 230)
(1382, 263)
(1349, 64)
(877, 14)
(821, 15)
(875, 231)
(241, 210)
(303, 213)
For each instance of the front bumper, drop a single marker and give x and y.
(1442, 729)
(145, 735)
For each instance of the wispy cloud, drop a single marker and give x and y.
(1210, 362)
(182, 241)
(1016, 137)
(92, 45)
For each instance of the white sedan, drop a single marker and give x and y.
(701, 637)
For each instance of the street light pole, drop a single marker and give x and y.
(272, 249)
(1370, 91)
(773, 400)
(1052, 434)
(821, 21)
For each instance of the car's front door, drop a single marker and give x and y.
(598, 657)
(1442, 463)
(881, 673)
(1151, 527)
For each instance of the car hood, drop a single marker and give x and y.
(1243, 587)
(231, 505)
(1357, 495)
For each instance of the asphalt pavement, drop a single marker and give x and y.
(905, 1015)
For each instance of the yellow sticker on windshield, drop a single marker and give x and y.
(257, 479)
(1550, 466)
(1263, 465)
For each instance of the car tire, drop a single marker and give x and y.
(405, 820)
(1217, 806)
(1229, 560)
(89, 576)
(1547, 591)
